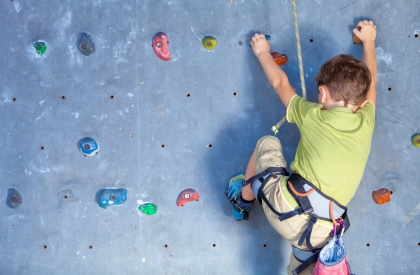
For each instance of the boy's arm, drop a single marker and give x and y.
(276, 76)
(366, 32)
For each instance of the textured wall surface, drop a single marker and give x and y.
(156, 130)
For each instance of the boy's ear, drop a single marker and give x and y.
(323, 94)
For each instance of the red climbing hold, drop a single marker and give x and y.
(160, 46)
(381, 196)
(280, 59)
(187, 195)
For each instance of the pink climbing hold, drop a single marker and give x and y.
(160, 46)
(186, 196)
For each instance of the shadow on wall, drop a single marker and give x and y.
(236, 142)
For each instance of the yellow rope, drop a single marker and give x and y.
(299, 53)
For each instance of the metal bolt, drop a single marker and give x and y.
(38, 46)
(187, 196)
(112, 197)
(159, 44)
(15, 199)
(84, 46)
(208, 43)
(87, 146)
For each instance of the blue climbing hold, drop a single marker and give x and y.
(88, 146)
(14, 199)
(86, 45)
(112, 196)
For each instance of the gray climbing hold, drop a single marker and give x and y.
(85, 44)
(14, 199)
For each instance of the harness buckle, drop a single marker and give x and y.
(309, 210)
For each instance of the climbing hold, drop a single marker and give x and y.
(187, 195)
(14, 199)
(88, 146)
(85, 44)
(356, 39)
(381, 196)
(209, 42)
(112, 196)
(160, 46)
(280, 59)
(40, 47)
(148, 208)
(415, 139)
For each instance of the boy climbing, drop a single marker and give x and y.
(331, 156)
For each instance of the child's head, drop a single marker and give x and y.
(346, 78)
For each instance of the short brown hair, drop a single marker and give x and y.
(347, 78)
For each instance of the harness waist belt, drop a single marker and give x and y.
(319, 203)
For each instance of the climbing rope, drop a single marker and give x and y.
(299, 53)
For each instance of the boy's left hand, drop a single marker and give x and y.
(259, 44)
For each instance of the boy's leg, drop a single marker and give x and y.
(247, 193)
(268, 153)
(294, 263)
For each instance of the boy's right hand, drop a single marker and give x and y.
(365, 31)
(259, 44)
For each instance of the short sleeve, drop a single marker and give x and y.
(368, 113)
(298, 108)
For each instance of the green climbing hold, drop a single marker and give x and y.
(209, 42)
(415, 139)
(148, 208)
(40, 47)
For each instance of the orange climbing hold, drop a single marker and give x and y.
(356, 39)
(381, 196)
(280, 59)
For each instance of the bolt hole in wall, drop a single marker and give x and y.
(188, 94)
(389, 88)
(14, 99)
(264, 245)
(45, 247)
(111, 96)
(311, 40)
(131, 135)
(63, 97)
(166, 246)
(163, 146)
(234, 93)
(209, 146)
(214, 245)
(65, 197)
(42, 147)
(90, 247)
(416, 35)
(367, 245)
(240, 43)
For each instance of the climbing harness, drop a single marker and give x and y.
(276, 127)
(310, 199)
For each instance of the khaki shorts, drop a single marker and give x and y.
(269, 153)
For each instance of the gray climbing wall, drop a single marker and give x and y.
(188, 123)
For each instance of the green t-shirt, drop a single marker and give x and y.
(334, 146)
